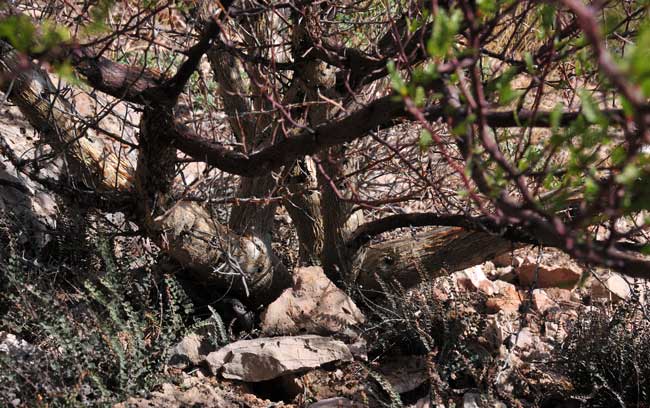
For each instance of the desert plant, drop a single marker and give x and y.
(447, 331)
(606, 355)
(93, 343)
(522, 120)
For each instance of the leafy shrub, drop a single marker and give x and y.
(97, 341)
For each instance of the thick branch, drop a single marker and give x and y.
(175, 85)
(623, 256)
(367, 231)
(432, 253)
(378, 114)
(382, 113)
(133, 84)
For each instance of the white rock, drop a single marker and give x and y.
(523, 339)
(542, 301)
(472, 400)
(15, 347)
(474, 279)
(191, 350)
(614, 287)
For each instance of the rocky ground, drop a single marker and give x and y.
(315, 347)
(530, 328)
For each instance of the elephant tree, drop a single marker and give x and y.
(487, 124)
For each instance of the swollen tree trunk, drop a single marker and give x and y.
(427, 255)
(304, 207)
(252, 220)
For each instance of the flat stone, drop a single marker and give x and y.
(271, 357)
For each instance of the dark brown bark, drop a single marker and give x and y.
(133, 84)
(381, 113)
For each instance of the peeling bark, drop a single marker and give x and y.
(30, 88)
(305, 211)
(427, 254)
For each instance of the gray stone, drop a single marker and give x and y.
(271, 357)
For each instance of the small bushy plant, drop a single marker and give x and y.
(447, 331)
(95, 341)
(606, 355)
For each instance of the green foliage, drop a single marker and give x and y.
(395, 401)
(547, 13)
(97, 342)
(397, 82)
(98, 15)
(556, 115)
(445, 28)
(589, 108)
(488, 7)
(53, 35)
(419, 21)
(530, 159)
(21, 33)
(425, 141)
(502, 87)
(213, 327)
(639, 60)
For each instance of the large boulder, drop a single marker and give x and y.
(313, 305)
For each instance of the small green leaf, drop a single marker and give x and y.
(461, 128)
(645, 250)
(548, 16)
(556, 116)
(420, 97)
(445, 28)
(530, 64)
(591, 189)
(618, 155)
(639, 59)
(425, 141)
(487, 7)
(397, 82)
(99, 13)
(53, 36)
(629, 175)
(502, 86)
(589, 108)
